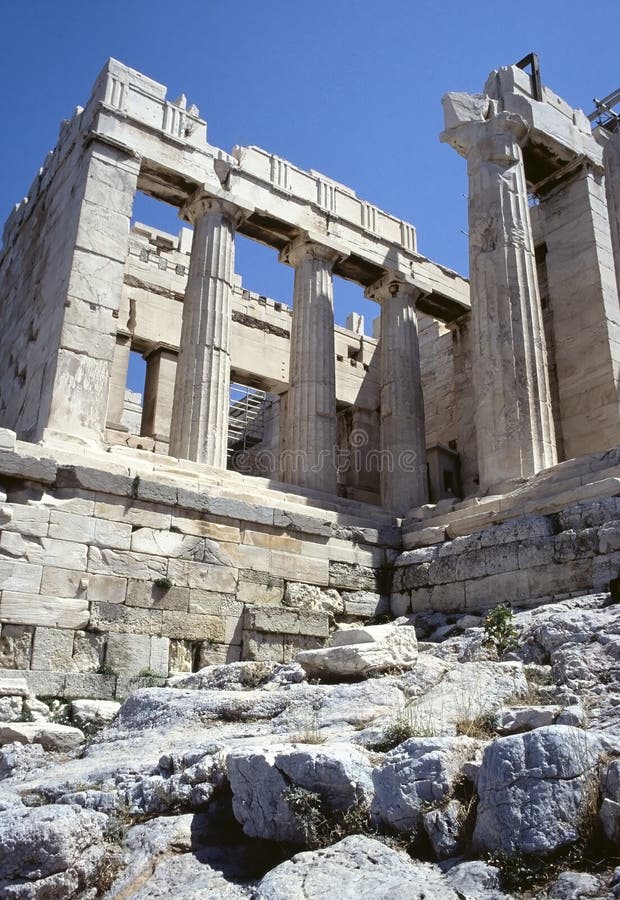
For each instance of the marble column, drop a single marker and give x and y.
(514, 421)
(199, 426)
(310, 440)
(404, 480)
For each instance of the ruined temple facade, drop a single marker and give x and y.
(476, 429)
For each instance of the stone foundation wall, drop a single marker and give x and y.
(525, 561)
(107, 578)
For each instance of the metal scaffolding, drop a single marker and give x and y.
(246, 422)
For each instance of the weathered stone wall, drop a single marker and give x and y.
(35, 265)
(524, 561)
(105, 574)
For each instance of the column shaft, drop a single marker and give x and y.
(199, 427)
(404, 482)
(514, 422)
(311, 408)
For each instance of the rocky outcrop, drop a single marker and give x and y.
(537, 790)
(416, 776)
(363, 651)
(50, 851)
(261, 781)
(359, 868)
(222, 763)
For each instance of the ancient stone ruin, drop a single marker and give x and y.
(302, 499)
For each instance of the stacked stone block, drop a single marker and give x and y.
(524, 561)
(106, 578)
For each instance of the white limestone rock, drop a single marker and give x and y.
(50, 735)
(363, 651)
(37, 710)
(93, 713)
(513, 719)
(356, 868)
(189, 876)
(311, 598)
(444, 827)
(260, 779)
(476, 880)
(19, 758)
(609, 812)
(10, 709)
(575, 886)
(49, 851)
(465, 692)
(240, 676)
(418, 773)
(534, 788)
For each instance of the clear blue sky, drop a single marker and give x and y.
(351, 89)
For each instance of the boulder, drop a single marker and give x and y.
(575, 886)
(93, 713)
(513, 719)
(37, 710)
(310, 598)
(239, 676)
(190, 877)
(51, 736)
(535, 790)
(418, 774)
(10, 709)
(609, 812)
(363, 651)
(443, 827)
(55, 849)
(356, 868)
(260, 780)
(19, 758)
(475, 880)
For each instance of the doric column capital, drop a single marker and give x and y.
(474, 128)
(304, 247)
(201, 202)
(393, 285)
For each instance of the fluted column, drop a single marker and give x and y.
(404, 481)
(199, 427)
(514, 422)
(310, 440)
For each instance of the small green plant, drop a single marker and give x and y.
(148, 678)
(399, 731)
(105, 669)
(481, 726)
(321, 825)
(312, 733)
(499, 631)
(163, 583)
